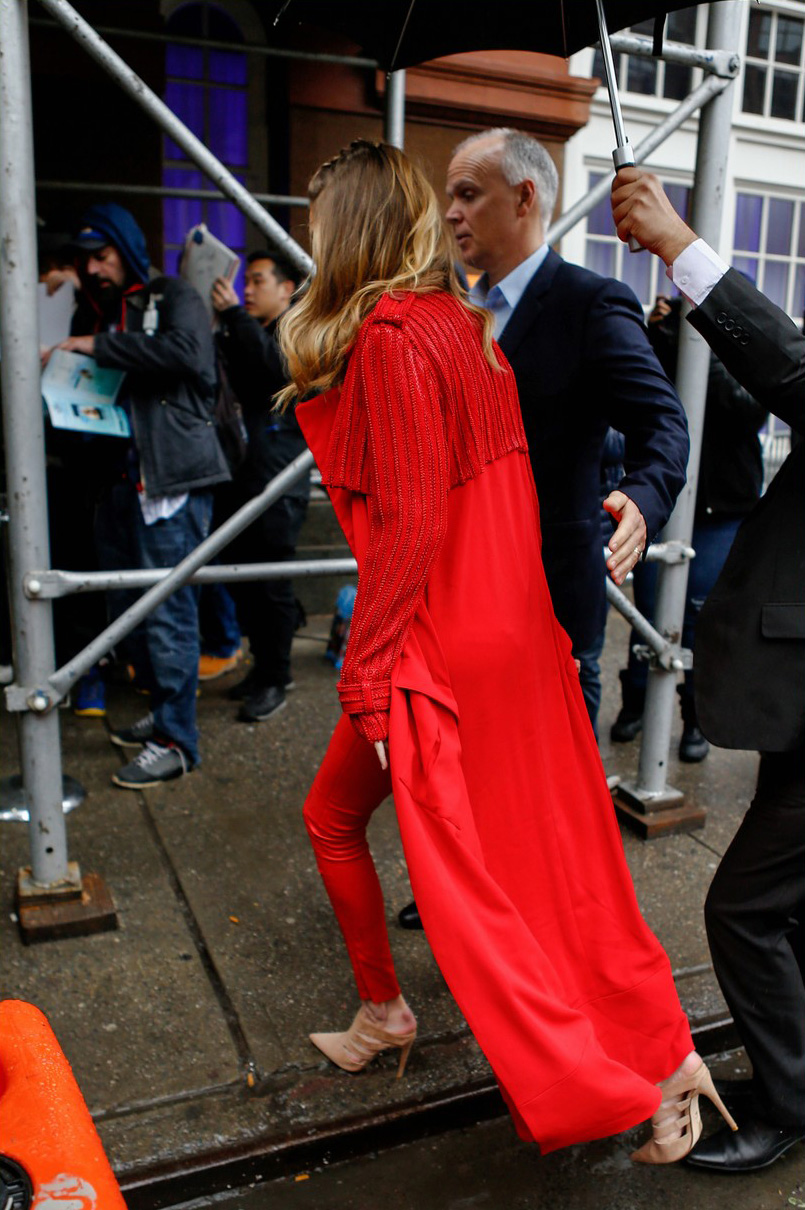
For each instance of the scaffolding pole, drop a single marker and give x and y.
(129, 190)
(650, 804)
(34, 657)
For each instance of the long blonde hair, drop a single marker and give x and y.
(377, 229)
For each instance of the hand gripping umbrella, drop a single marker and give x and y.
(401, 33)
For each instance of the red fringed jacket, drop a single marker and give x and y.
(414, 421)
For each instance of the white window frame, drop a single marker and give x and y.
(794, 306)
(657, 97)
(791, 9)
(659, 283)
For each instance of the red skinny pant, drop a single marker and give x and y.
(348, 788)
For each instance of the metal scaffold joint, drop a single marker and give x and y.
(674, 551)
(673, 660)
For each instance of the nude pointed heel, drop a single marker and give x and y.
(362, 1042)
(679, 1111)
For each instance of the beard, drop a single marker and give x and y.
(107, 297)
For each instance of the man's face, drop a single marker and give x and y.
(263, 296)
(483, 210)
(105, 269)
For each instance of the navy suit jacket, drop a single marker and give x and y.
(580, 353)
(750, 636)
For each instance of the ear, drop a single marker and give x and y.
(527, 198)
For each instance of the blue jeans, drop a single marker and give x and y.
(165, 647)
(711, 541)
(218, 619)
(590, 677)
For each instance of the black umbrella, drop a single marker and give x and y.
(401, 33)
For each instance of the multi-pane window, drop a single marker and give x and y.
(208, 90)
(605, 254)
(774, 75)
(653, 77)
(769, 246)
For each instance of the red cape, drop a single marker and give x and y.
(511, 841)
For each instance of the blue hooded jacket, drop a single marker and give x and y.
(116, 225)
(171, 375)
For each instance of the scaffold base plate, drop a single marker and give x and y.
(654, 815)
(93, 912)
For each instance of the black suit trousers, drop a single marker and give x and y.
(267, 609)
(754, 916)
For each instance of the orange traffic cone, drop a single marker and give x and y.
(51, 1152)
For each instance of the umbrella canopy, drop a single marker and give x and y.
(401, 33)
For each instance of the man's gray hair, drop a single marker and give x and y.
(523, 158)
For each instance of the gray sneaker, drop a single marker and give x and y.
(154, 765)
(135, 736)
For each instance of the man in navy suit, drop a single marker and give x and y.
(582, 360)
(581, 357)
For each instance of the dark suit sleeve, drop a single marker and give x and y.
(639, 401)
(758, 343)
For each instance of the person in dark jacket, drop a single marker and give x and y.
(729, 486)
(159, 506)
(577, 344)
(267, 609)
(750, 659)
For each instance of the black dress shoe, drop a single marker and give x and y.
(627, 726)
(693, 747)
(409, 917)
(755, 1145)
(262, 704)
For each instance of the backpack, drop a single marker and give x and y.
(228, 418)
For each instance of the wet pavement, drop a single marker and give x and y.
(487, 1167)
(187, 1028)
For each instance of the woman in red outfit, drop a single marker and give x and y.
(457, 668)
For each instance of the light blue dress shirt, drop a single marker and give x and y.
(504, 297)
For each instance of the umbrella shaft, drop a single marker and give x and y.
(612, 83)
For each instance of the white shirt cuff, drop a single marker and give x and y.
(696, 271)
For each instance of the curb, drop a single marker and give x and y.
(267, 1160)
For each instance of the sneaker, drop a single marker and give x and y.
(250, 686)
(136, 736)
(137, 685)
(89, 700)
(263, 703)
(155, 764)
(210, 667)
(244, 688)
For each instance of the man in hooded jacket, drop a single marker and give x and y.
(159, 504)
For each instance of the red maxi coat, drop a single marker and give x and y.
(513, 850)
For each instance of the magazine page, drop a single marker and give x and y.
(79, 394)
(204, 259)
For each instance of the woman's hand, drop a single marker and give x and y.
(382, 750)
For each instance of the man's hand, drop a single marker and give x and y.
(79, 344)
(223, 294)
(54, 279)
(629, 540)
(640, 208)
